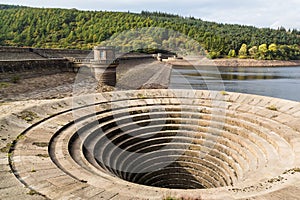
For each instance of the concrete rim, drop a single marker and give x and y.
(30, 157)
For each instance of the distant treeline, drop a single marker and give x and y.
(72, 28)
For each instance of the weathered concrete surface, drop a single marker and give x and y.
(14, 59)
(9, 66)
(252, 145)
(146, 75)
(17, 53)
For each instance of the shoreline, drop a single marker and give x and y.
(223, 62)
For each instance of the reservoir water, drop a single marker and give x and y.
(280, 82)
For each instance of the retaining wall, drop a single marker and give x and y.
(61, 53)
(24, 65)
(16, 59)
(17, 53)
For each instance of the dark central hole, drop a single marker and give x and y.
(155, 168)
(173, 176)
(153, 149)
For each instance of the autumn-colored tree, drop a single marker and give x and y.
(262, 50)
(243, 51)
(231, 53)
(272, 51)
(253, 52)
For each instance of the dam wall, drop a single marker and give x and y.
(32, 68)
(61, 53)
(33, 62)
(17, 53)
(10, 66)
(16, 59)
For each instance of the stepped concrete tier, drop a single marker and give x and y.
(151, 144)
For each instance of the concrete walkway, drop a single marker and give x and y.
(153, 74)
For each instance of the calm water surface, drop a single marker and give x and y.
(280, 82)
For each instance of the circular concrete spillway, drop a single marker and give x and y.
(160, 143)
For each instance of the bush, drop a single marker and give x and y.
(231, 53)
(4, 85)
(243, 57)
(15, 79)
(213, 55)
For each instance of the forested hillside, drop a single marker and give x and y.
(71, 28)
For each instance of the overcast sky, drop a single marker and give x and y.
(260, 13)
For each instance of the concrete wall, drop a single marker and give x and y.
(16, 60)
(32, 68)
(17, 53)
(13, 49)
(25, 65)
(14, 53)
(61, 53)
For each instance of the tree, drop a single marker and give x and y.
(262, 50)
(243, 51)
(232, 53)
(213, 55)
(253, 52)
(71, 37)
(272, 51)
(65, 28)
(273, 47)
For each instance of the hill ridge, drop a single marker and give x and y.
(77, 29)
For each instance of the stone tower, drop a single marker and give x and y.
(104, 65)
(104, 54)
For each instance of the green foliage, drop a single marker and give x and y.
(272, 51)
(6, 148)
(28, 116)
(231, 53)
(3, 6)
(243, 51)
(15, 79)
(262, 51)
(71, 28)
(42, 155)
(41, 144)
(272, 107)
(223, 93)
(4, 85)
(273, 47)
(278, 52)
(213, 55)
(32, 192)
(243, 57)
(253, 52)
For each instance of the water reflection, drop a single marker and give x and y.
(281, 82)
